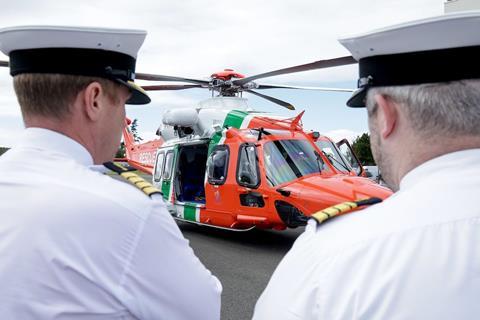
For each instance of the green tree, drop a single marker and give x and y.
(133, 129)
(361, 147)
(121, 151)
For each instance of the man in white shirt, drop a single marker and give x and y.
(416, 255)
(74, 243)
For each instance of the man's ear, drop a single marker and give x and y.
(387, 115)
(91, 97)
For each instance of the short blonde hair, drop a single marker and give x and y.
(52, 95)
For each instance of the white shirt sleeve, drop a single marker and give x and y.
(164, 278)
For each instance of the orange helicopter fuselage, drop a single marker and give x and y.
(264, 172)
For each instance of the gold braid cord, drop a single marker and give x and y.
(341, 208)
(133, 178)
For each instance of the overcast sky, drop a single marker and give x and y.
(197, 38)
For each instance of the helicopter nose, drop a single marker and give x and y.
(316, 193)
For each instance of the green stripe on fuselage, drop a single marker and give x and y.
(166, 189)
(233, 119)
(189, 212)
(214, 141)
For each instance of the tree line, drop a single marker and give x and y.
(361, 147)
(133, 129)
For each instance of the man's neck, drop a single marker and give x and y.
(75, 130)
(429, 149)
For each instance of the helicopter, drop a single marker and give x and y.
(223, 164)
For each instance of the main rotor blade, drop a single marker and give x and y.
(280, 86)
(150, 77)
(342, 61)
(272, 99)
(172, 87)
(158, 77)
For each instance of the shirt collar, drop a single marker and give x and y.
(447, 163)
(53, 141)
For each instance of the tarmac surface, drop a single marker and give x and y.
(242, 261)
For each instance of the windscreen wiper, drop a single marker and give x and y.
(330, 157)
(319, 161)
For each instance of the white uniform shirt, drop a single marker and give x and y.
(414, 256)
(76, 244)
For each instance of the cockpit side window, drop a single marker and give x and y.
(217, 165)
(247, 166)
(333, 155)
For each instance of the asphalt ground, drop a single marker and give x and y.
(242, 261)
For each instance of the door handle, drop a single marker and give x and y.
(243, 190)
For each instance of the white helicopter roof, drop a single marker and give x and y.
(227, 103)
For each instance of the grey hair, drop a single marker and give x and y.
(449, 108)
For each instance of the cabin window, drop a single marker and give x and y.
(167, 170)
(159, 166)
(217, 165)
(247, 166)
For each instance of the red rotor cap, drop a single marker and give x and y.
(227, 74)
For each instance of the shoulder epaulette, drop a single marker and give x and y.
(341, 208)
(133, 178)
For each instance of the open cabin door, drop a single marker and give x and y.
(190, 173)
(189, 180)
